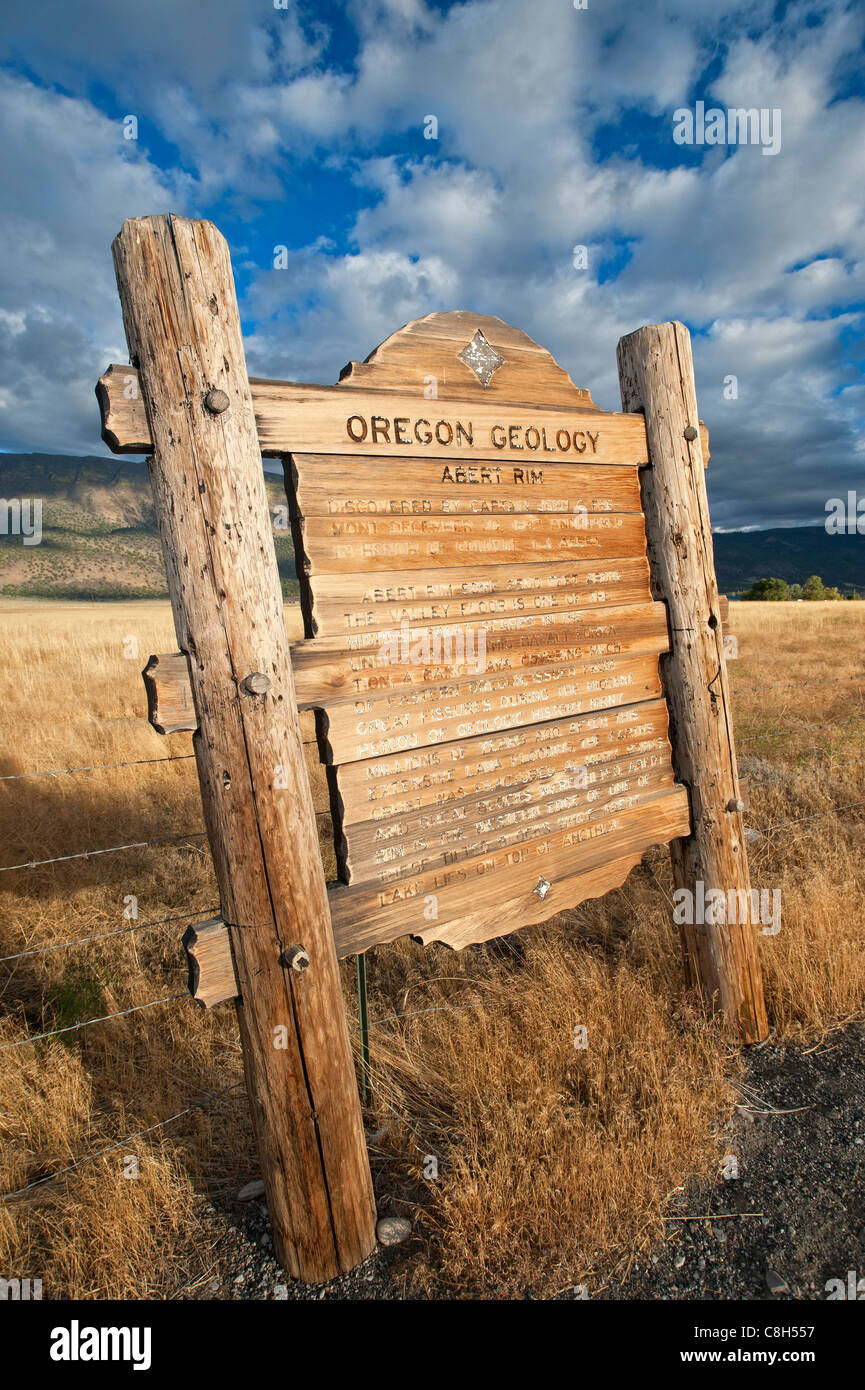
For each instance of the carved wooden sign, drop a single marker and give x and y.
(481, 660)
(481, 645)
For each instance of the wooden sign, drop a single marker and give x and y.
(482, 643)
(481, 651)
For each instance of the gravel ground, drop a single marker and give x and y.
(793, 1218)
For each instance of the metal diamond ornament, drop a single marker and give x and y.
(482, 358)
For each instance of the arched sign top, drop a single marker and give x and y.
(459, 355)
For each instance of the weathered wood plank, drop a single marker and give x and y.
(575, 626)
(183, 328)
(349, 603)
(425, 354)
(529, 908)
(386, 851)
(399, 660)
(381, 788)
(419, 718)
(365, 916)
(656, 374)
(349, 545)
(354, 486)
(170, 707)
(212, 978)
(327, 673)
(293, 417)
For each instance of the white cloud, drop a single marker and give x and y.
(760, 254)
(75, 179)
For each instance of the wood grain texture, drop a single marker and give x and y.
(380, 788)
(212, 978)
(358, 603)
(170, 707)
(343, 545)
(293, 417)
(528, 908)
(487, 704)
(399, 660)
(183, 330)
(433, 837)
(366, 915)
(657, 377)
(353, 486)
(429, 348)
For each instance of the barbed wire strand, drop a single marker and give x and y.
(85, 1023)
(101, 936)
(115, 849)
(755, 785)
(798, 820)
(806, 729)
(121, 1143)
(112, 849)
(96, 767)
(798, 685)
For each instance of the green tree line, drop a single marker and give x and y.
(779, 591)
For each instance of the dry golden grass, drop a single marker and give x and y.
(554, 1163)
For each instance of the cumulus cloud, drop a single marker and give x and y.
(72, 180)
(554, 129)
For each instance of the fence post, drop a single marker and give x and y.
(183, 330)
(656, 376)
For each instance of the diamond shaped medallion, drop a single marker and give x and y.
(482, 358)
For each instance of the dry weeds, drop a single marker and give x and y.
(554, 1164)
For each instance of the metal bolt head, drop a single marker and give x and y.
(735, 804)
(216, 401)
(255, 684)
(295, 958)
(691, 434)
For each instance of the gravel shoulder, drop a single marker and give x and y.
(788, 1218)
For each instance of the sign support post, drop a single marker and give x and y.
(656, 376)
(183, 330)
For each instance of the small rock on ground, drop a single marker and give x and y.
(392, 1230)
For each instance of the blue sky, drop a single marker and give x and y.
(304, 127)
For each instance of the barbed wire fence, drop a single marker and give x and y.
(205, 913)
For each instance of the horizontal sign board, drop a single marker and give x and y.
(482, 645)
(355, 486)
(381, 788)
(346, 545)
(369, 914)
(349, 603)
(393, 659)
(431, 715)
(292, 417)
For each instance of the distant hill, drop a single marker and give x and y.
(99, 537)
(789, 553)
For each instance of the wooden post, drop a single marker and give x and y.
(183, 330)
(656, 375)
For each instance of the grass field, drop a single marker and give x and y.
(554, 1165)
